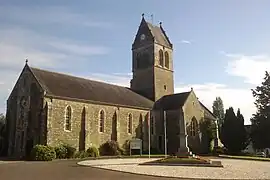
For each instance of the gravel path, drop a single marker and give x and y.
(233, 169)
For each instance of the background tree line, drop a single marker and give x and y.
(231, 126)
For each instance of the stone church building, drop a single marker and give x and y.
(51, 108)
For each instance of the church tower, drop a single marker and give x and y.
(152, 62)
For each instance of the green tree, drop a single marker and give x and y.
(260, 134)
(208, 130)
(2, 132)
(233, 133)
(2, 119)
(218, 110)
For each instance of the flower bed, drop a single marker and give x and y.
(185, 160)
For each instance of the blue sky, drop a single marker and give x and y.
(221, 48)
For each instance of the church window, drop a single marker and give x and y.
(139, 61)
(141, 126)
(68, 119)
(152, 125)
(193, 126)
(166, 59)
(22, 140)
(165, 87)
(130, 123)
(161, 63)
(101, 121)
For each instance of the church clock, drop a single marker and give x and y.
(142, 37)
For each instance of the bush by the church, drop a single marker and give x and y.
(61, 152)
(43, 153)
(70, 150)
(81, 154)
(110, 148)
(93, 151)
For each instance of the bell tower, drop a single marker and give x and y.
(152, 62)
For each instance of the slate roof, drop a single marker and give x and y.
(62, 85)
(159, 35)
(175, 101)
(206, 109)
(172, 101)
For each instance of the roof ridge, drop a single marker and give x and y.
(177, 93)
(62, 73)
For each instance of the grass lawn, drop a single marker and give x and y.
(246, 157)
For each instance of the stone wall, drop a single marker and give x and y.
(24, 114)
(193, 109)
(56, 121)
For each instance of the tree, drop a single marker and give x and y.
(2, 118)
(260, 134)
(218, 110)
(2, 132)
(233, 133)
(208, 130)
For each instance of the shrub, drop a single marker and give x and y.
(219, 150)
(110, 148)
(92, 151)
(81, 154)
(70, 150)
(61, 152)
(43, 153)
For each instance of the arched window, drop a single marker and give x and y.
(161, 62)
(68, 119)
(139, 61)
(166, 59)
(130, 123)
(141, 125)
(193, 127)
(152, 124)
(101, 121)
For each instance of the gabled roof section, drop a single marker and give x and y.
(66, 86)
(172, 101)
(157, 34)
(207, 110)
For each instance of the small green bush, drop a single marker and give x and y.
(110, 148)
(61, 152)
(219, 150)
(93, 151)
(70, 150)
(81, 154)
(43, 153)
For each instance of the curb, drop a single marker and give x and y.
(149, 175)
(238, 158)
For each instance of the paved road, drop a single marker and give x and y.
(64, 169)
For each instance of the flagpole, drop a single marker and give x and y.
(149, 134)
(165, 134)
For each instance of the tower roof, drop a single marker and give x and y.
(157, 33)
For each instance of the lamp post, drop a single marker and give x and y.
(149, 134)
(165, 133)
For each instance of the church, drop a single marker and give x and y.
(51, 108)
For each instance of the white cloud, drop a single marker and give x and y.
(250, 68)
(79, 49)
(19, 41)
(37, 15)
(236, 98)
(186, 42)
